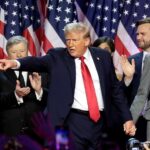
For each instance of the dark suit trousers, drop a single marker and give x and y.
(85, 133)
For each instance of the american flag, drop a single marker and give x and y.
(20, 17)
(114, 18)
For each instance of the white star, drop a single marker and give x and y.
(105, 18)
(121, 5)
(68, 1)
(114, 20)
(133, 25)
(12, 32)
(98, 17)
(14, 13)
(99, 6)
(66, 20)
(137, 4)
(135, 14)
(6, 3)
(50, 7)
(58, 9)
(57, 18)
(15, 4)
(91, 5)
(144, 16)
(104, 29)
(67, 10)
(146, 6)
(13, 23)
(114, 10)
(27, 7)
(126, 12)
(106, 8)
(38, 21)
(113, 30)
(128, 1)
(32, 7)
(25, 16)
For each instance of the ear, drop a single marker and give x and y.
(87, 42)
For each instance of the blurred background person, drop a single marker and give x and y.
(107, 44)
(21, 93)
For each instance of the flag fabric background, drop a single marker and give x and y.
(42, 22)
(20, 17)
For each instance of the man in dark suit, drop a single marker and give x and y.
(68, 102)
(19, 102)
(133, 67)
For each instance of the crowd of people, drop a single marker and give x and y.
(74, 94)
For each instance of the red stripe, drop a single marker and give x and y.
(43, 6)
(39, 33)
(1, 27)
(32, 47)
(2, 54)
(121, 49)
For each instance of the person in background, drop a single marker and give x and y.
(133, 68)
(21, 93)
(82, 89)
(107, 44)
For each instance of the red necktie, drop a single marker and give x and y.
(90, 92)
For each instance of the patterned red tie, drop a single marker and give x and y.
(90, 92)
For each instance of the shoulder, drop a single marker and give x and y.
(100, 52)
(136, 56)
(56, 50)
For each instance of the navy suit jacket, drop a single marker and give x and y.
(61, 68)
(131, 90)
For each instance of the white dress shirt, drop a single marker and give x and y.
(25, 75)
(80, 100)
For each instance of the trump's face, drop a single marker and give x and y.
(76, 43)
(143, 36)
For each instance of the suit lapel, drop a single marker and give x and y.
(100, 70)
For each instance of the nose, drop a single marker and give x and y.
(19, 55)
(70, 43)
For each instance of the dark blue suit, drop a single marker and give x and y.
(61, 68)
(131, 90)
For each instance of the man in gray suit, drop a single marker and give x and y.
(141, 103)
(133, 70)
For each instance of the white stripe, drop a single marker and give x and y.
(2, 16)
(34, 39)
(52, 35)
(126, 40)
(3, 42)
(84, 19)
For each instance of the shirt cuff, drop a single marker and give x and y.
(39, 96)
(18, 64)
(19, 99)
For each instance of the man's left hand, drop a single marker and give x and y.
(129, 128)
